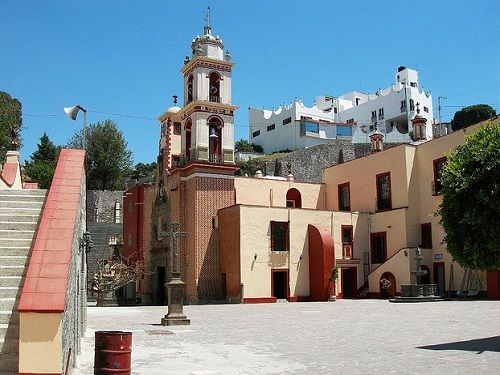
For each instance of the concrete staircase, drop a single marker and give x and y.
(19, 215)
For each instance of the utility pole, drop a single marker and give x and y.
(439, 111)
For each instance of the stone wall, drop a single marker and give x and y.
(307, 165)
(101, 206)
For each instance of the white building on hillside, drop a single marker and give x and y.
(354, 115)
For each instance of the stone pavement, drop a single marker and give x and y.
(343, 337)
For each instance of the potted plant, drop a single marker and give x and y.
(334, 276)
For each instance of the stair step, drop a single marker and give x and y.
(36, 192)
(12, 260)
(7, 304)
(17, 225)
(9, 365)
(14, 234)
(15, 242)
(22, 251)
(24, 218)
(8, 291)
(11, 281)
(11, 270)
(7, 317)
(19, 212)
(22, 204)
(20, 197)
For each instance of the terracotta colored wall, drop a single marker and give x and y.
(229, 240)
(493, 284)
(321, 262)
(272, 193)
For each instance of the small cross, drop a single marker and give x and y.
(175, 234)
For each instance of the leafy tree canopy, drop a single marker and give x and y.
(142, 169)
(249, 167)
(10, 115)
(43, 162)
(470, 210)
(471, 115)
(243, 146)
(108, 158)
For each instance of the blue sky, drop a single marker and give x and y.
(124, 57)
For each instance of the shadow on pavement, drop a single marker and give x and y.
(491, 344)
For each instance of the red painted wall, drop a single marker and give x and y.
(133, 223)
(321, 262)
(493, 284)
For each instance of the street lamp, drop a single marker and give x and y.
(72, 112)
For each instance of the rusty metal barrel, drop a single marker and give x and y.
(113, 350)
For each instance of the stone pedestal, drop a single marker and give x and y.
(107, 299)
(417, 293)
(175, 314)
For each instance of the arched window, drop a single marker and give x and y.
(187, 139)
(214, 89)
(189, 89)
(293, 198)
(215, 126)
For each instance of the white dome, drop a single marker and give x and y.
(173, 109)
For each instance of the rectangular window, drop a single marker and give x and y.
(311, 127)
(412, 105)
(279, 236)
(403, 105)
(287, 120)
(344, 131)
(374, 115)
(426, 110)
(177, 128)
(426, 236)
(350, 121)
(255, 133)
(335, 110)
(346, 241)
(384, 191)
(378, 247)
(438, 167)
(344, 197)
(271, 127)
(380, 113)
(358, 100)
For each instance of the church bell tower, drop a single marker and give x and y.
(207, 117)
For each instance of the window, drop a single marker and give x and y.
(293, 198)
(311, 127)
(176, 159)
(214, 90)
(177, 128)
(374, 115)
(287, 120)
(344, 197)
(412, 105)
(403, 105)
(279, 236)
(335, 110)
(190, 89)
(271, 127)
(350, 121)
(426, 110)
(255, 133)
(380, 113)
(378, 247)
(426, 236)
(346, 233)
(344, 131)
(438, 167)
(357, 101)
(384, 191)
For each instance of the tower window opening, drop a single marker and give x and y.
(214, 93)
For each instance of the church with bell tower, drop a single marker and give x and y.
(196, 168)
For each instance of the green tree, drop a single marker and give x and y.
(43, 162)
(249, 167)
(108, 158)
(470, 210)
(142, 169)
(10, 115)
(472, 115)
(243, 146)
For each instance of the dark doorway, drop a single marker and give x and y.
(280, 283)
(349, 283)
(439, 278)
(387, 285)
(160, 291)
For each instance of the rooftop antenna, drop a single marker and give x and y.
(208, 28)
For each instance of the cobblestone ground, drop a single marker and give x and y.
(343, 337)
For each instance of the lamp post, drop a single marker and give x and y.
(72, 112)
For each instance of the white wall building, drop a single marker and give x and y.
(354, 115)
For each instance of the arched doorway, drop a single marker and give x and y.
(187, 139)
(321, 262)
(215, 125)
(387, 285)
(293, 198)
(214, 93)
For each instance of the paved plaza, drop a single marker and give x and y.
(343, 337)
